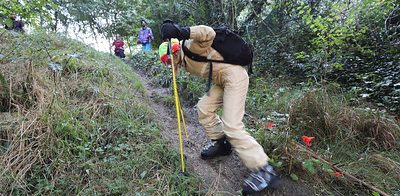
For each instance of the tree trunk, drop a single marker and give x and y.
(56, 13)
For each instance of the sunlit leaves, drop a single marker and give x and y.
(30, 10)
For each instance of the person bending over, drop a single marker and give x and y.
(229, 91)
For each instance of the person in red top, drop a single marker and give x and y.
(118, 46)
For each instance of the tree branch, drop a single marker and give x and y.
(368, 185)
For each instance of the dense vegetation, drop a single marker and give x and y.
(328, 69)
(353, 42)
(76, 121)
(359, 140)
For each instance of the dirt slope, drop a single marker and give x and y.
(222, 176)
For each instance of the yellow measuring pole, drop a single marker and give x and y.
(183, 120)
(177, 105)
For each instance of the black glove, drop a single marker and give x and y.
(169, 30)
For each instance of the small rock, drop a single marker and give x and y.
(364, 95)
(55, 66)
(75, 55)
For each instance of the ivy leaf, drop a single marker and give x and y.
(9, 22)
(309, 166)
(375, 193)
(143, 174)
(326, 168)
(277, 164)
(317, 161)
(294, 177)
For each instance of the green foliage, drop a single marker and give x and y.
(30, 11)
(353, 42)
(333, 28)
(4, 94)
(268, 94)
(325, 114)
(294, 177)
(328, 117)
(190, 88)
(307, 40)
(90, 129)
(349, 136)
(308, 164)
(375, 193)
(313, 165)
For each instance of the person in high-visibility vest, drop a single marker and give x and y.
(229, 90)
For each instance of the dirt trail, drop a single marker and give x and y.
(222, 176)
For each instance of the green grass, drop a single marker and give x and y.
(91, 130)
(190, 87)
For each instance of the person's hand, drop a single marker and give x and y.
(169, 30)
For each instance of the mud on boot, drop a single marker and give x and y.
(220, 147)
(265, 178)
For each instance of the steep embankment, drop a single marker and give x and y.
(76, 121)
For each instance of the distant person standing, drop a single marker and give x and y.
(16, 25)
(118, 46)
(145, 37)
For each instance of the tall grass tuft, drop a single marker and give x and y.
(330, 117)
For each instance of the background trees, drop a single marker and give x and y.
(355, 42)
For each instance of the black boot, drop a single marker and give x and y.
(220, 147)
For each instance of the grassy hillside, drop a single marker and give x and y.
(76, 121)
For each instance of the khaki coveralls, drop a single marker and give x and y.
(229, 90)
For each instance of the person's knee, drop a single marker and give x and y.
(201, 107)
(203, 113)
